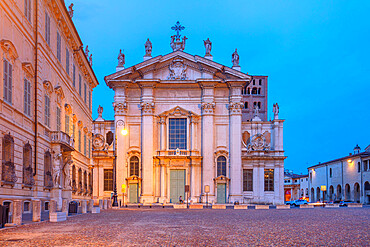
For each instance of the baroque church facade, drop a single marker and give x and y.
(187, 126)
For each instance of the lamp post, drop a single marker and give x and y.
(115, 202)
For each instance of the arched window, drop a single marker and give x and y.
(358, 167)
(134, 166)
(318, 194)
(27, 165)
(347, 192)
(365, 165)
(245, 105)
(339, 192)
(331, 192)
(259, 105)
(259, 91)
(254, 90)
(356, 192)
(8, 171)
(221, 166)
(260, 82)
(74, 182)
(85, 181)
(254, 82)
(312, 195)
(330, 172)
(80, 180)
(249, 91)
(48, 179)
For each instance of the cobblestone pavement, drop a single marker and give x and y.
(170, 227)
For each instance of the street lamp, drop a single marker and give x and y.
(124, 132)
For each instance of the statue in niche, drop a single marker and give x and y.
(256, 110)
(235, 58)
(121, 59)
(148, 48)
(56, 170)
(87, 51)
(208, 46)
(66, 172)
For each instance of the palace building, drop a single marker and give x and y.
(45, 109)
(183, 119)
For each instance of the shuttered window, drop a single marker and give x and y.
(58, 119)
(47, 28)
(66, 129)
(27, 97)
(27, 9)
(47, 111)
(59, 46)
(67, 61)
(7, 78)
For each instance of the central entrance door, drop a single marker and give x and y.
(177, 185)
(221, 193)
(133, 191)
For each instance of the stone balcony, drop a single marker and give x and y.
(59, 137)
(177, 153)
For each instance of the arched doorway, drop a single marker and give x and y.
(312, 195)
(367, 192)
(356, 192)
(347, 192)
(339, 192)
(331, 193)
(318, 192)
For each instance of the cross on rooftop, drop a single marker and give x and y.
(178, 28)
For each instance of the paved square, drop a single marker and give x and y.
(170, 227)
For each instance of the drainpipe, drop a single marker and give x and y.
(341, 196)
(361, 187)
(36, 58)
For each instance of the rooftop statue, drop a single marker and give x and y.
(176, 44)
(276, 111)
(121, 59)
(87, 51)
(70, 10)
(235, 58)
(208, 46)
(100, 111)
(148, 48)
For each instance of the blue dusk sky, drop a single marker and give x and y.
(315, 53)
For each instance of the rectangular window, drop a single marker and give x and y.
(74, 76)
(47, 111)
(269, 179)
(67, 61)
(90, 106)
(89, 149)
(79, 140)
(27, 9)
(108, 179)
(79, 85)
(177, 133)
(85, 92)
(74, 131)
(59, 46)
(47, 28)
(247, 179)
(27, 97)
(7, 77)
(66, 126)
(58, 119)
(85, 149)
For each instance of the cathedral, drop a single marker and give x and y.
(188, 128)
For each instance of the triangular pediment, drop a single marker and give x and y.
(178, 66)
(178, 112)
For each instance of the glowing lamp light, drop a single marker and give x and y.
(349, 161)
(124, 132)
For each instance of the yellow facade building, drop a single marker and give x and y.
(45, 109)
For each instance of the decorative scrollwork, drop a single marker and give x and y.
(208, 108)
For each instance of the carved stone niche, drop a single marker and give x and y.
(68, 109)
(48, 86)
(9, 49)
(60, 94)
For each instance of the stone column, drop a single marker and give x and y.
(84, 207)
(162, 129)
(36, 210)
(147, 142)
(53, 206)
(163, 182)
(121, 146)
(208, 145)
(90, 205)
(17, 212)
(235, 137)
(65, 205)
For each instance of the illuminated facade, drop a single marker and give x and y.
(191, 121)
(346, 178)
(45, 108)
